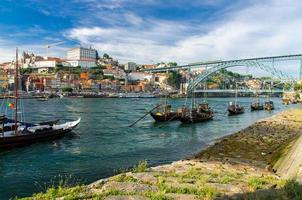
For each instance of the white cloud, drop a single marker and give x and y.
(8, 50)
(262, 29)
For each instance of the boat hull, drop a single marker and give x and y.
(165, 117)
(27, 138)
(199, 117)
(269, 105)
(235, 112)
(254, 108)
(30, 138)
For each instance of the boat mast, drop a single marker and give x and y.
(193, 95)
(16, 93)
(166, 91)
(205, 91)
(236, 95)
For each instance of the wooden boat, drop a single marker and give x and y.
(200, 114)
(15, 133)
(165, 114)
(197, 115)
(269, 105)
(256, 106)
(294, 101)
(285, 101)
(235, 109)
(25, 135)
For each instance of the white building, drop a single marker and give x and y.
(130, 66)
(84, 57)
(140, 76)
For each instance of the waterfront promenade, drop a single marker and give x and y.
(261, 161)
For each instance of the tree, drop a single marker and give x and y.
(67, 89)
(105, 55)
(298, 87)
(25, 71)
(174, 79)
(172, 64)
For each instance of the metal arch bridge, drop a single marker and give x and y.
(239, 91)
(263, 63)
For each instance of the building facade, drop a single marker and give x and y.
(130, 66)
(80, 56)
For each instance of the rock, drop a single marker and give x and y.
(97, 183)
(182, 196)
(226, 188)
(126, 197)
(128, 187)
(96, 191)
(265, 194)
(145, 177)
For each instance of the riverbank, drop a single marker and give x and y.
(246, 164)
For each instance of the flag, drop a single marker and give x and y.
(10, 105)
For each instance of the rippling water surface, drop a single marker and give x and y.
(103, 142)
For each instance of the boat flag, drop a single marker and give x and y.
(10, 105)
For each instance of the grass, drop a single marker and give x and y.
(227, 178)
(293, 190)
(76, 192)
(256, 183)
(142, 166)
(157, 196)
(124, 178)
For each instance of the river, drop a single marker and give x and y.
(103, 143)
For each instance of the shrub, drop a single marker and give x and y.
(141, 166)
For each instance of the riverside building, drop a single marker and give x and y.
(80, 56)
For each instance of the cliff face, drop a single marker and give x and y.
(240, 166)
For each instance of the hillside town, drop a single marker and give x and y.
(85, 72)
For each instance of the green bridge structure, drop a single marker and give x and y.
(264, 63)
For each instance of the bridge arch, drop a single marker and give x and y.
(277, 74)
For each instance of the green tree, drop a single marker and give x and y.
(298, 87)
(105, 55)
(25, 71)
(172, 64)
(67, 89)
(174, 79)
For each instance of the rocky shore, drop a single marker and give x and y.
(261, 161)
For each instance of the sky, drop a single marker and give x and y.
(152, 31)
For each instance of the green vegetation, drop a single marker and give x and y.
(26, 71)
(157, 196)
(298, 87)
(124, 178)
(174, 79)
(172, 64)
(293, 190)
(142, 166)
(204, 190)
(106, 56)
(67, 89)
(257, 183)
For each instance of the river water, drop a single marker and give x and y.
(103, 143)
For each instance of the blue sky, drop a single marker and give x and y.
(153, 30)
